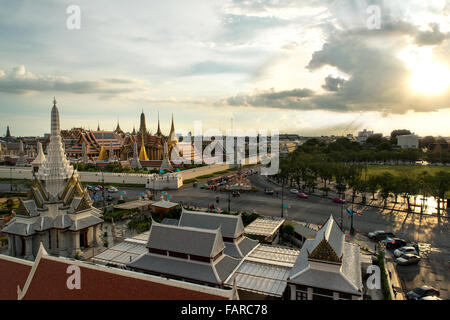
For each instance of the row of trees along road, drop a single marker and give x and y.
(315, 162)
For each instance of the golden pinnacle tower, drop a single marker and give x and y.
(143, 153)
(103, 156)
(172, 140)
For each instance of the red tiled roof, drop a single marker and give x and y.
(13, 273)
(101, 283)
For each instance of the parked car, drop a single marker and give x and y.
(395, 243)
(203, 186)
(268, 191)
(112, 189)
(421, 292)
(337, 200)
(404, 250)
(100, 187)
(302, 195)
(236, 194)
(380, 235)
(408, 259)
(91, 188)
(294, 191)
(431, 298)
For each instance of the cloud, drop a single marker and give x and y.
(333, 84)
(20, 81)
(433, 37)
(214, 67)
(378, 81)
(280, 99)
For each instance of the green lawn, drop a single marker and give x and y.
(410, 170)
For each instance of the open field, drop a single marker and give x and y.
(407, 169)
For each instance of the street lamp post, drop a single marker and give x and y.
(229, 201)
(282, 196)
(103, 190)
(352, 231)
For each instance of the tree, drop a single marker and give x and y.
(407, 187)
(439, 184)
(396, 187)
(426, 142)
(375, 140)
(372, 185)
(385, 182)
(424, 187)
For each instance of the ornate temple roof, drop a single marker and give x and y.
(343, 272)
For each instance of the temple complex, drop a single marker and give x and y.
(116, 145)
(58, 211)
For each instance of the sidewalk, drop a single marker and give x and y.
(394, 280)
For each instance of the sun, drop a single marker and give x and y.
(430, 79)
(428, 76)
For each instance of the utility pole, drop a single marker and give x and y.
(10, 178)
(352, 231)
(103, 190)
(282, 196)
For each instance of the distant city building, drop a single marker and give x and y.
(363, 135)
(408, 141)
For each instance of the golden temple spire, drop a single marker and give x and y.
(143, 153)
(103, 153)
(173, 140)
(158, 132)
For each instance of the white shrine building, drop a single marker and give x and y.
(58, 211)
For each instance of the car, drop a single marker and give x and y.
(408, 259)
(236, 194)
(421, 292)
(338, 200)
(394, 243)
(430, 298)
(203, 186)
(112, 189)
(268, 191)
(404, 250)
(100, 187)
(380, 235)
(91, 188)
(294, 191)
(302, 195)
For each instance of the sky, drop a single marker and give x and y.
(312, 67)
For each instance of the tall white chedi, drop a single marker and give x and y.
(56, 169)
